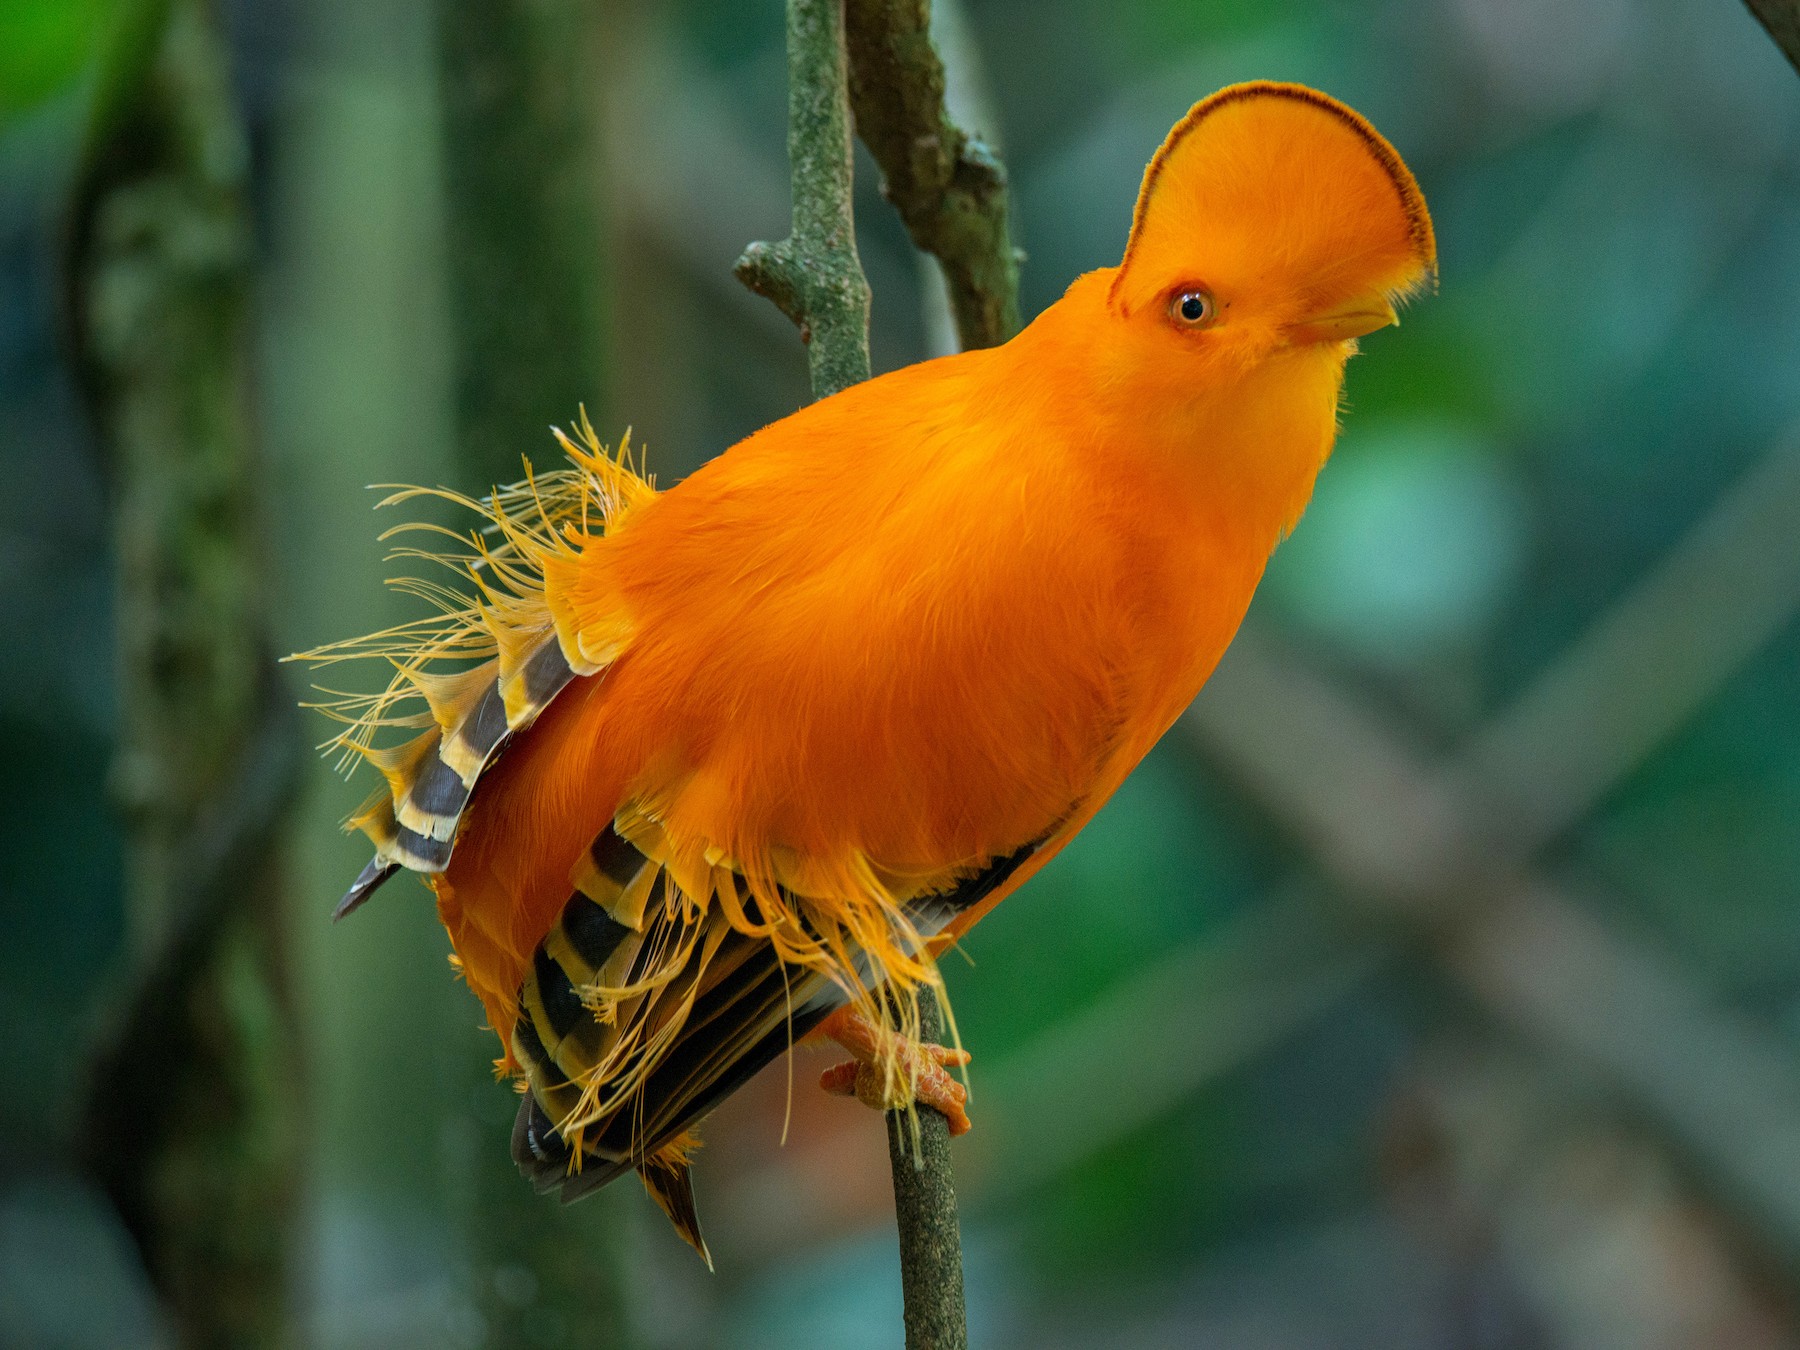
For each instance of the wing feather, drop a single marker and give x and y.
(726, 1006)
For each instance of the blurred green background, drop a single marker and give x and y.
(1435, 984)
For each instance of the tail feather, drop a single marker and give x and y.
(669, 1179)
(540, 677)
(617, 1083)
(431, 777)
(367, 882)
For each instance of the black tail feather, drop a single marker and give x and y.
(367, 882)
(670, 1182)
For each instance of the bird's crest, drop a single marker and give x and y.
(1285, 173)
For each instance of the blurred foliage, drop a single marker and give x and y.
(1616, 185)
(1173, 857)
(46, 47)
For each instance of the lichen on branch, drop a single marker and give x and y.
(814, 276)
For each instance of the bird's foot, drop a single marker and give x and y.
(890, 1072)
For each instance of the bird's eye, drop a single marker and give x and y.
(1191, 309)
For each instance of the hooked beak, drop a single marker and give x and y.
(1340, 325)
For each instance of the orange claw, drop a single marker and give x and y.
(919, 1066)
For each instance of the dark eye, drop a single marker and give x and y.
(1191, 308)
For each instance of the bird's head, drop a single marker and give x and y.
(1273, 221)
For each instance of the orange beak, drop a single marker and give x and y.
(1340, 325)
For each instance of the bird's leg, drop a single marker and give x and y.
(888, 1071)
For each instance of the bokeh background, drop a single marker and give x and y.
(1435, 984)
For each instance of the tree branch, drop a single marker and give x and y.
(814, 275)
(931, 1267)
(192, 1112)
(816, 279)
(947, 185)
(1782, 19)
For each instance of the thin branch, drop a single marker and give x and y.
(814, 276)
(931, 1266)
(947, 185)
(1782, 19)
(816, 279)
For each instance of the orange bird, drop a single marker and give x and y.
(706, 770)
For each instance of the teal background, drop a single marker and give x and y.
(1313, 1125)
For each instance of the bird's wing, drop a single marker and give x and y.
(486, 667)
(642, 1011)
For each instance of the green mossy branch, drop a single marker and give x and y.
(814, 275)
(193, 1108)
(931, 1265)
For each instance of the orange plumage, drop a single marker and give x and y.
(772, 735)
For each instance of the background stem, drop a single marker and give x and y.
(192, 1118)
(526, 253)
(948, 186)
